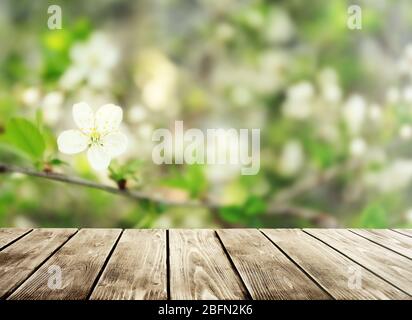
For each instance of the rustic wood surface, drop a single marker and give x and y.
(406, 232)
(389, 239)
(21, 259)
(205, 264)
(80, 262)
(137, 269)
(333, 271)
(8, 235)
(385, 263)
(265, 270)
(199, 268)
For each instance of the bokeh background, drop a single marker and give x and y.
(334, 106)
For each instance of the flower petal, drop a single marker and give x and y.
(114, 143)
(72, 141)
(98, 158)
(108, 118)
(83, 116)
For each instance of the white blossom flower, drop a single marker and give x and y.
(375, 112)
(92, 62)
(224, 31)
(292, 158)
(156, 76)
(299, 101)
(393, 95)
(405, 65)
(409, 215)
(98, 133)
(241, 96)
(137, 114)
(407, 94)
(354, 112)
(394, 177)
(31, 97)
(329, 85)
(280, 27)
(51, 105)
(357, 147)
(405, 132)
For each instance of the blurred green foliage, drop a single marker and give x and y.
(334, 107)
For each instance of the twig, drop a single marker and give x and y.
(306, 184)
(311, 215)
(137, 195)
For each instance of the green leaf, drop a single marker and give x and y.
(192, 180)
(254, 206)
(232, 214)
(373, 216)
(245, 213)
(125, 171)
(26, 137)
(57, 162)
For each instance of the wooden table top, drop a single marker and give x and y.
(205, 264)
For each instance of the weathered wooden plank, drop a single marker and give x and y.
(388, 239)
(389, 265)
(406, 232)
(8, 235)
(137, 269)
(333, 271)
(21, 259)
(266, 271)
(78, 262)
(200, 269)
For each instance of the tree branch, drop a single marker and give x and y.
(137, 195)
(298, 212)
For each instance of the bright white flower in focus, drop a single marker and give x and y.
(98, 133)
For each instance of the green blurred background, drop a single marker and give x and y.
(334, 106)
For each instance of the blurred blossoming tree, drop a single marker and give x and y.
(334, 107)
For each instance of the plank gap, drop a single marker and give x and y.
(249, 296)
(299, 267)
(167, 265)
(358, 263)
(16, 239)
(404, 233)
(380, 244)
(104, 265)
(40, 265)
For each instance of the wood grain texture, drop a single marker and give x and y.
(388, 239)
(266, 271)
(80, 261)
(333, 271)
(137, 269)
(8, 235)
(206, 264)
(20, 259)
(406, 232)
(200, 269)
(389, 265)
